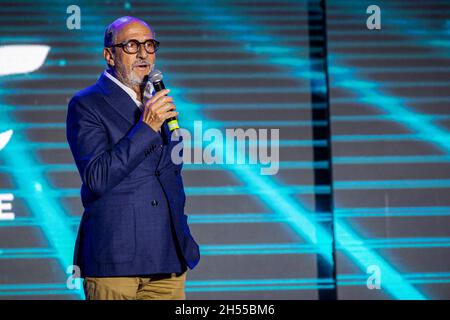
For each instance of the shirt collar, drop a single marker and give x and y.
(128, 90)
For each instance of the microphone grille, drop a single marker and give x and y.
(155, 76)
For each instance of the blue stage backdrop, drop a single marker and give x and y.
(251, 65)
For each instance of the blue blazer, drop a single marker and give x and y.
(132, 192)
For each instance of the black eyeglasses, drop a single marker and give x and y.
(133, 46)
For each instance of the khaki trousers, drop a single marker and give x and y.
(155, 287)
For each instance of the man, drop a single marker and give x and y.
(133, 241)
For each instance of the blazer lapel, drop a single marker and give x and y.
(125, 106)
(119, 100)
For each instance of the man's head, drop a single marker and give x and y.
(129, 68)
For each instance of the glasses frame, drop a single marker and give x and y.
(124, 44)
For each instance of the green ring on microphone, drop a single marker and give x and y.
(173, 124)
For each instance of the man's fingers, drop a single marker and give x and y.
(163, 114)
(171, 114)
(160, 102)
(167, 115)
(160, 106)
(166, 107)
(158, 95)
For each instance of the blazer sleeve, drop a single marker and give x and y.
(102, 167)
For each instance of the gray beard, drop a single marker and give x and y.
(131, 80)
(134, 80)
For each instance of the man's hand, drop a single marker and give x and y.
(159, 108)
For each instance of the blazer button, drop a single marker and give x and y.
(154, 203)
(157, 173)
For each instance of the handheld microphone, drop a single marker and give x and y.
(155, 78)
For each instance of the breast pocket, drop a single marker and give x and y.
(113, 233)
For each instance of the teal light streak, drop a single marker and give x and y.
(284, 190)
(33, 187)
(394, 283)
(257, 288)
(393, 212)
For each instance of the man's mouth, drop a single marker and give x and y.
(143, 67)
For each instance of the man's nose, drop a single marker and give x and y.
(142, 53)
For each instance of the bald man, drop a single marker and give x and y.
(133, 241)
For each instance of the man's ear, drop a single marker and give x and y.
(109, 57)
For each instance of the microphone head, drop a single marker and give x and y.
(155, 76)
